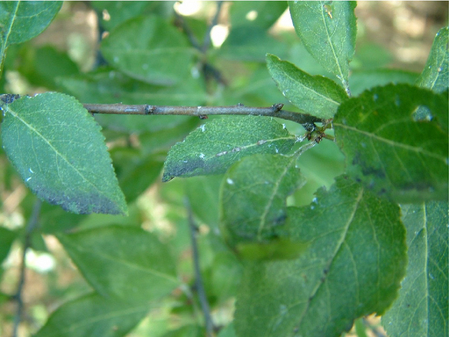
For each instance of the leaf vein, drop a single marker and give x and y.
(56, 151)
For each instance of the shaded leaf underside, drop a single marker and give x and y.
(352, 267)
(422, 306)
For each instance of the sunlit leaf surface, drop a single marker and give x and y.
(60, 153)
(215, 146)
(328, 31)
(316, 95)
(390, 148)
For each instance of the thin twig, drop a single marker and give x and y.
(189, 33)
(214, 21)
(198, 276)
(203, 111)
(209, 71)
(32, 222)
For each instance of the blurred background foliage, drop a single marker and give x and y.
(393, 42)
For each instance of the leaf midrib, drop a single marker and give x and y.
(58, 153)
(391, 142)
(13, 18)
(247, 147)
(311, 90)
(126, 263)
(341, 74)
(262, 221)
(333, 255)
(101, 317)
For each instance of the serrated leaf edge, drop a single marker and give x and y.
(303, 86)
(272, 196)
(8, 110)
(338, 247)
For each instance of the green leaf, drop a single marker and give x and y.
(22, 20)
(124, 262)
(371, 56)
(135, 170)
(256, 90)
(352, 267)
(203, 194)
(261, 14)
(253, 205)
(389, 149)
(227, 331)
(366, 79)
(328, 31)
(316, 95)
(435, 73)
(226, 272)
(94, 315)
(109, 86)
(157, 142)
(422, 306)
(149, 49)
(7, 237)
(250, 43)
(118, 11)
(41, 66)
(186, 331)
(53, 219)
(60, 153)
(320, 166)
(215, 146)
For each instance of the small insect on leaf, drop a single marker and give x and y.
(329, 10)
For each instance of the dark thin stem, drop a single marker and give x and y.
(32, 222)
(198, 276)
(203, 111)
(189, 33)
(207, 39)
(209, 71)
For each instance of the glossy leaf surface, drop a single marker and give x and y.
(93, 315)
(215, 146)
(149, 49)
(352, 267)
(137, 267)
(422, 306)
(389, 148)
(328, 31)
(60, 153)
(253, 204)
(316, 95)
(435, 73)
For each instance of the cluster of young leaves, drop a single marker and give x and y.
(309, 270)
